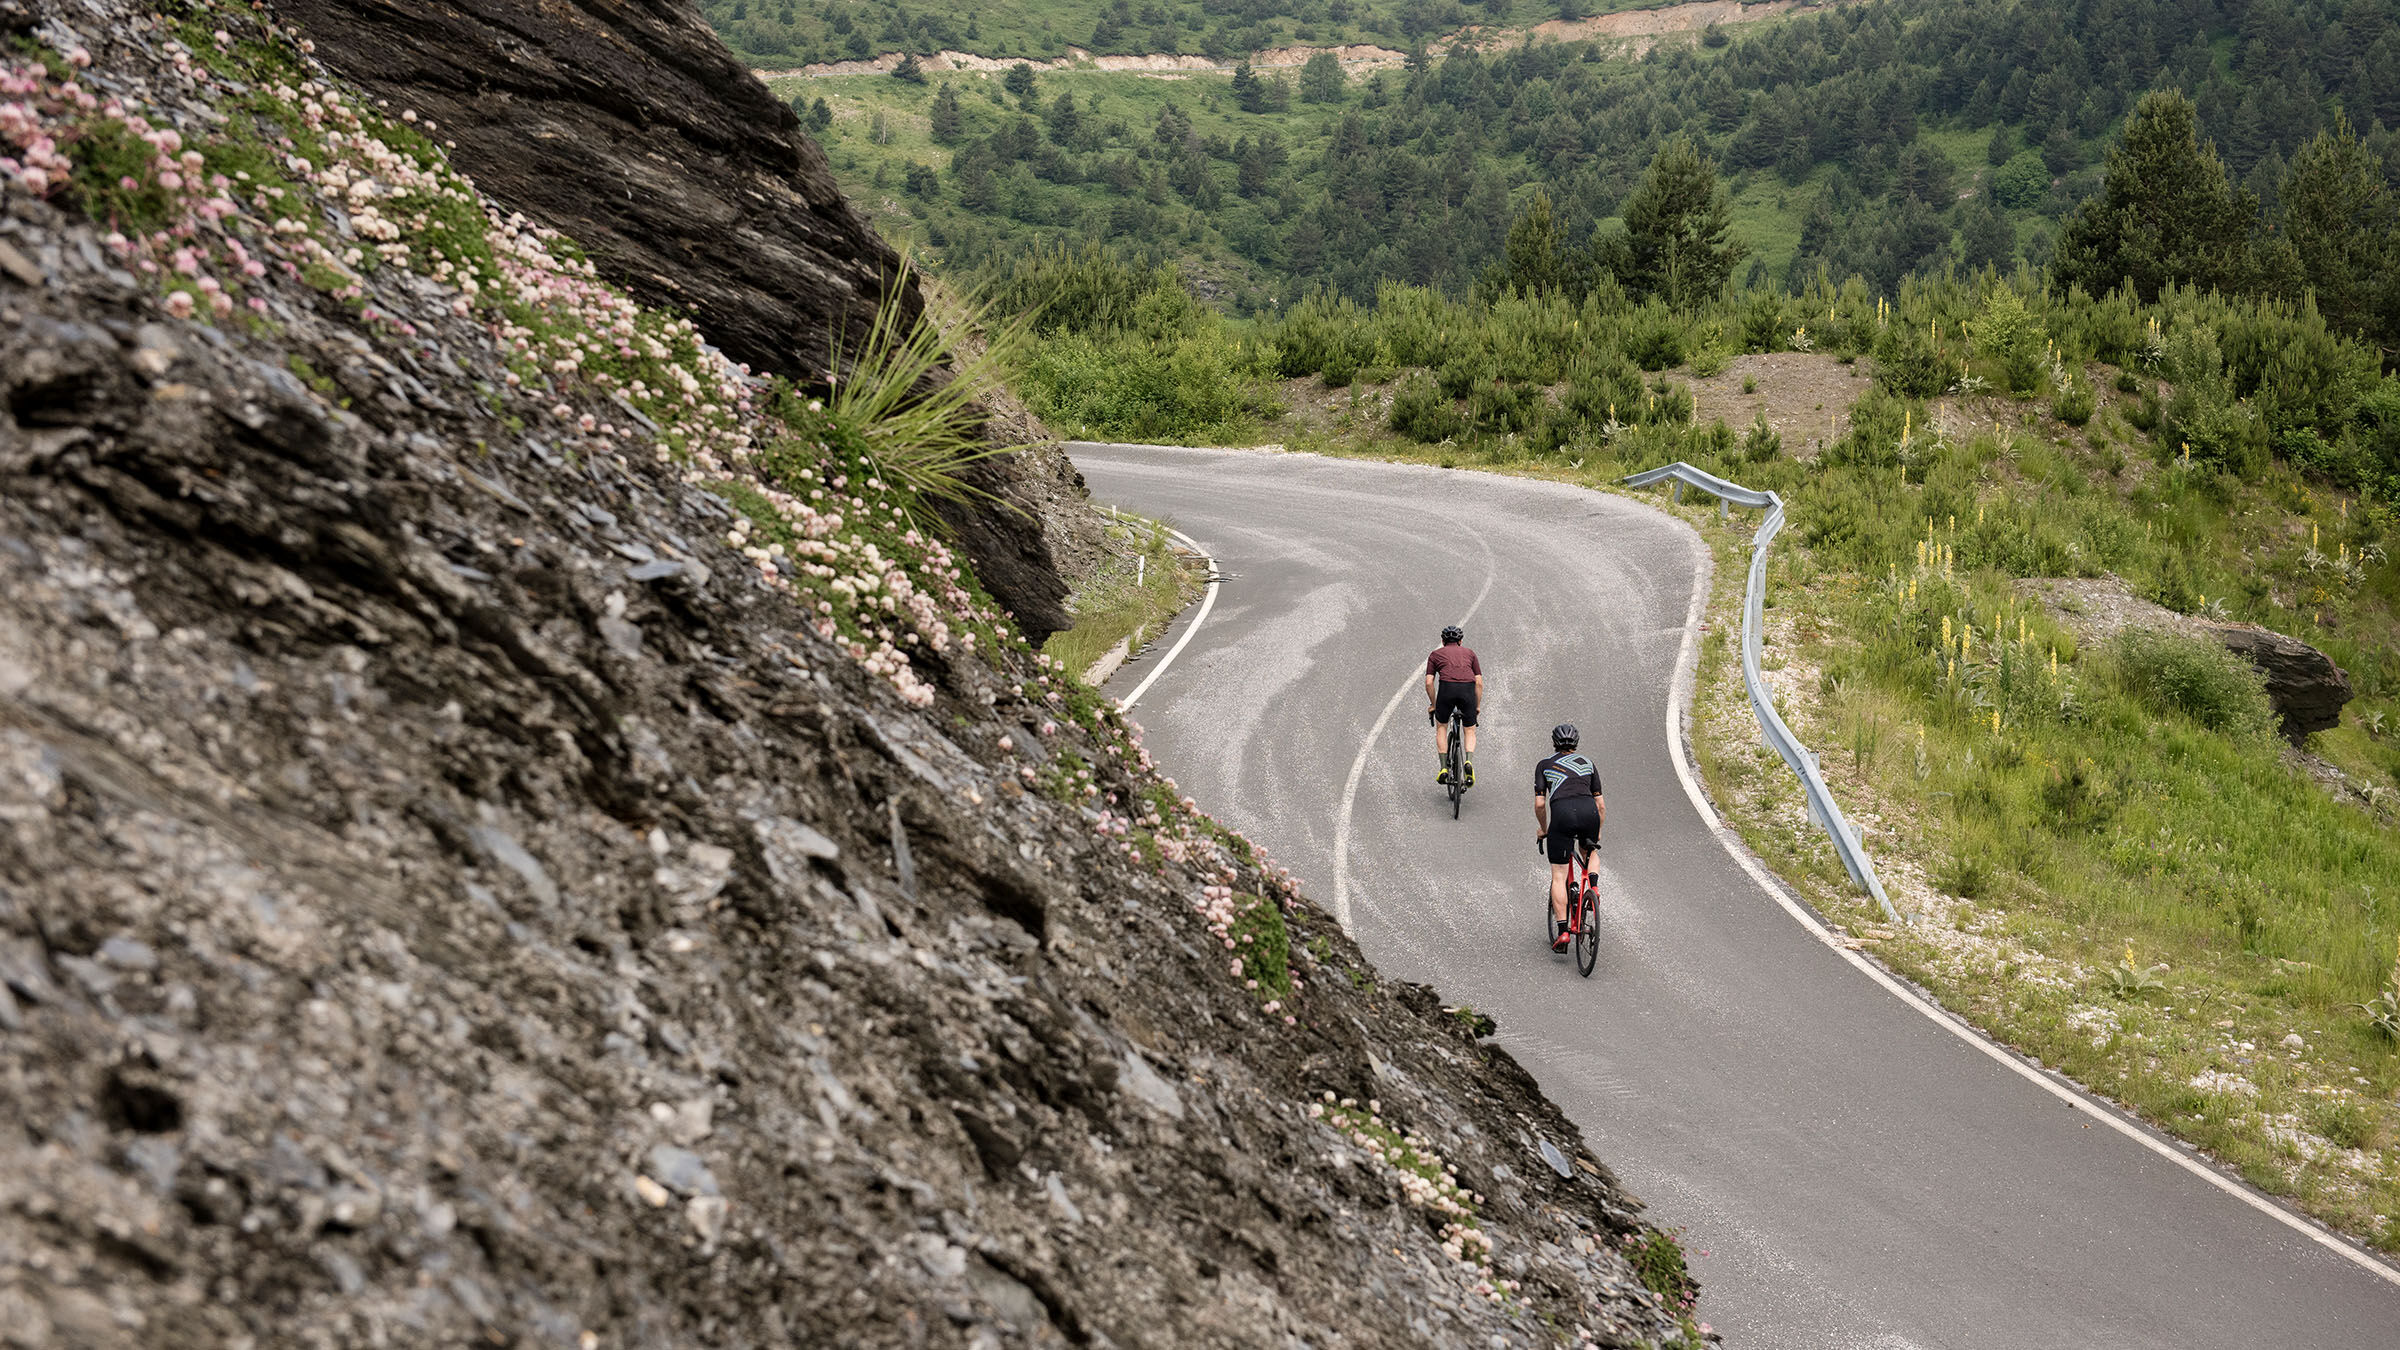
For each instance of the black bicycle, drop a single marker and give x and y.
(1583, 906)
(1456, 758)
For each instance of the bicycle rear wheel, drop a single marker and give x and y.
(1587, 936)
(1458, 765)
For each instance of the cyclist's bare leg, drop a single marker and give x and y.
(1558, 892)
(1470, 739)
(1441, 738)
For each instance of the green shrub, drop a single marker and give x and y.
(1421, 412)
(1667, 403)
(1324, 333)
(2128, 383)
(2008, 333)
(1766, 327)
(2194, 677)
(2022, 181)
(1909, 363)
(1141, 389)
(1460, 376)
(1654, 337)
(1877, 422)
(2198, 422)
(1761, 442)
(1501, 407)
(2075, 402)
(1094, 290)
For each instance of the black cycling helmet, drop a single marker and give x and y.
(1454, 633)
(1564, 736)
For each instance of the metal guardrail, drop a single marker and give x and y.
(1821, 807)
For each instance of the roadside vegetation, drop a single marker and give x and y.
(1129, 597)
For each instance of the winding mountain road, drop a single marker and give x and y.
(1855, 1172)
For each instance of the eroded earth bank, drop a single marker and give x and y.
(518, 827)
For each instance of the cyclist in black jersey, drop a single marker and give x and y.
(1567, 806)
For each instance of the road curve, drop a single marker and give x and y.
(1856, 1175)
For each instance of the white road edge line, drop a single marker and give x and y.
(1341, 825)
(1679, 696)
(1207, 603)
(1358, 767)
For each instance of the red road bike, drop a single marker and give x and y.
(1583, 906)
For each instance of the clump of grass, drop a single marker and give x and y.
(1656, 1256)
(911, 396)
(2347, 1122)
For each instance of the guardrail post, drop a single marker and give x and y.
(1823, 811)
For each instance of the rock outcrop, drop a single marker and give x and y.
(460, 884)
(627, 126)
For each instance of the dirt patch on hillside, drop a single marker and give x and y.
(1805, 396)
(1670, 19)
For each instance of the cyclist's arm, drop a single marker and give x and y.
(1429, 690)
(1599, 804)
(1541, 814)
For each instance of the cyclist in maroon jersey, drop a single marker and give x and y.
(1453, 679)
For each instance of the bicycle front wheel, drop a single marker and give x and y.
(1587, 934)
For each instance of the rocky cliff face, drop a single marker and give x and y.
(506, 838)
(627, 126)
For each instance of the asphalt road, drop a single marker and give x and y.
(1856, 1174)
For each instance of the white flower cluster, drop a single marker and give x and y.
(1425, 1180)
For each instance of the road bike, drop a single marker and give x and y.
(1455, 758)
(1583, 906)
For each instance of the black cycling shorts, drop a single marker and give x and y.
(1572, 819)
(1459, 694)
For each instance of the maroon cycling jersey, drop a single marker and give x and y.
(1453, 663)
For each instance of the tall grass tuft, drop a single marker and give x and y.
(911, 395)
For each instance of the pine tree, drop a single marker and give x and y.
(1984, 236)
(909, 70)
(2165, 213)
(2339, 219)
(1247, 91)
(1536, 259)
(1064, 119)
(948, 122)
(1677, 242)
(1321, 79)
(1019, 80)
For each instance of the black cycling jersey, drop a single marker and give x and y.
(1565, 777)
